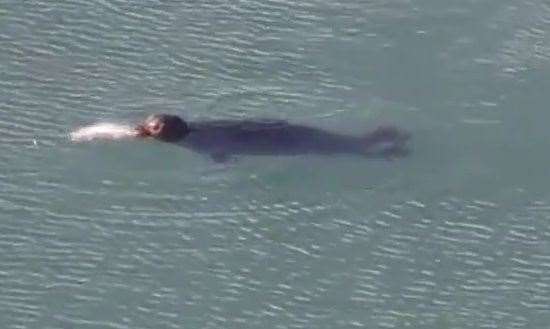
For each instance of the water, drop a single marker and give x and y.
(144, 235)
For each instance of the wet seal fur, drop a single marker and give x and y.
(222, 139)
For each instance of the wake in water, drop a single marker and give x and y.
(104, 131)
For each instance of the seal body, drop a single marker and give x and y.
(264, 138)
(224, 138)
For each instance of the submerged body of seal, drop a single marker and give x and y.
(224, 138)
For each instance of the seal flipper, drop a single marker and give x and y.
(220, 157)
(385, 141)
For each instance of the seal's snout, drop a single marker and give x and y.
(142, 130)
(166, 127)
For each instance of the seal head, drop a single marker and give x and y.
(165, 127)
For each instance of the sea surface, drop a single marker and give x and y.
(140, 234)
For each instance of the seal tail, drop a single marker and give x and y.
(385, 141)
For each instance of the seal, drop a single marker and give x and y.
(222, 139)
